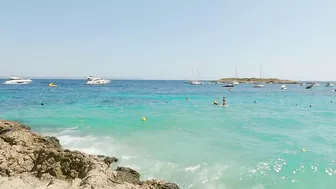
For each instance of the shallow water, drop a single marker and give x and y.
(247, 146)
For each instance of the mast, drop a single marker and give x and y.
(236, 72)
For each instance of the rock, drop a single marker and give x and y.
(30, 160)
(125, 174)
(154, 184)
(110, 160)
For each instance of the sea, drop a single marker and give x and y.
(266, 139)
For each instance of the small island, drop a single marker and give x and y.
(257, 80)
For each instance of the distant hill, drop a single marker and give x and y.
(257, 80)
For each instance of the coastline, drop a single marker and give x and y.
(30, 160)
(258, 80)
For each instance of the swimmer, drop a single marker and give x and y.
(255, 101)
(187, 98)
(295, 104)
(42, 104)
(330, 101)
(310, 106)
(266, 95)
(224, 101)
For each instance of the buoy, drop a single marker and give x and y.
(144, 119)
(303, 150)
(52, 84)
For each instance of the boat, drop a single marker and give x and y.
(196, 82)
(258, 85)
(91, 80)
(283, 87)
(316, 85)
(52, 84)
(235, 82)
(310, 86)
(17, 80)
(330, 85)
(229, 85)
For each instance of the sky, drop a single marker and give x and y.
(168, 39)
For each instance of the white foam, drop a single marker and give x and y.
(128, 157)
(192, 168)
(66, 140)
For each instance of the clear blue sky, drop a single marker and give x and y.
(167, 39)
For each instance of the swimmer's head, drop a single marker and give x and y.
(42, 103)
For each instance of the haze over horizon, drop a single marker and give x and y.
(168, 39)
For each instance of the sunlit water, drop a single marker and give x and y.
(191, 142)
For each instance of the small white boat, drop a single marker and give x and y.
(235, 83)
(316, 85)
(258, 85)
(283, 87)
(17, 80)
(196, 82)
(91, 80)
(330, 85)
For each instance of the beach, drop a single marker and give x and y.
(254, 143)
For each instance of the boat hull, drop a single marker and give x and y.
(99, 82)
(18, 82)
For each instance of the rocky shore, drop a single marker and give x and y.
(29, 160)
(257, 80)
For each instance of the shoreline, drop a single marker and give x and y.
(31, 160)
(258, 80)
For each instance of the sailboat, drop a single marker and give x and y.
(197, 81)
(235, 82)
(259, 85)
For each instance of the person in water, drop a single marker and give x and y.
(224, 101)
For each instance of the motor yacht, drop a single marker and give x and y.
(91, 80)
(17, 80)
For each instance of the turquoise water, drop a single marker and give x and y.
(246, 146)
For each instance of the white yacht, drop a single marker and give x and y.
(235, 83)
(283, 87)
(17, 80)
(259, 85)
(196, 82)
(330, 85)
(91, 80)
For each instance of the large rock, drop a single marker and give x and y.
(29, 160)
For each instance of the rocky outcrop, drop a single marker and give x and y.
(30, 160)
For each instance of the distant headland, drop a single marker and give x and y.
(257, 80)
